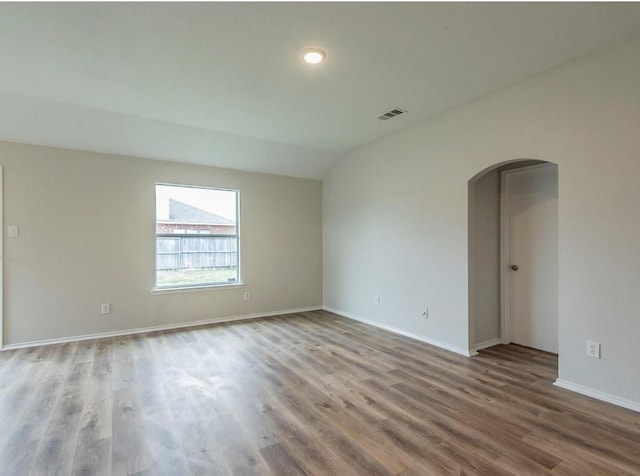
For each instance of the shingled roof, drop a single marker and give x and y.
(180, 212)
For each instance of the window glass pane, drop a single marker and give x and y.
(196, 236)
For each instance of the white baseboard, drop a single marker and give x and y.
(427, 340)
(164, 327)
(591, 392)
(488, 343)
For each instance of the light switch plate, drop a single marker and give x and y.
(12, 231)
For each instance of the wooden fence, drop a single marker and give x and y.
(189, 252)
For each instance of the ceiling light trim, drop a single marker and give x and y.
(314, 55)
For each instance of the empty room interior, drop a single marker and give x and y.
(319, 238)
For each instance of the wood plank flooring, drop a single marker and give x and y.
(309, 393)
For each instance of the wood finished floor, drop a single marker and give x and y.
(309, 393)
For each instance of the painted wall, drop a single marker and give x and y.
(585, 117)
(87, 225)
(486, 252)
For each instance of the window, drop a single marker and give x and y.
(196, 236)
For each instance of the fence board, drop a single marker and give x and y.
(189, 252)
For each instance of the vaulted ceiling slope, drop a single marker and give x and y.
(223, 83)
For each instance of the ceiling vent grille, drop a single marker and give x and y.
(391, 114)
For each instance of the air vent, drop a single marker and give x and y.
(391, 114)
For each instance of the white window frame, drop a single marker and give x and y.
(199, 286)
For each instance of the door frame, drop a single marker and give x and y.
(505, 246)
(1, 261)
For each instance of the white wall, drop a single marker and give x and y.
(87, 224)
(486, 256)
(395, 214)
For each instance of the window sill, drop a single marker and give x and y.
(204, 287)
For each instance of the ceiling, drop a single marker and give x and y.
(223, 83)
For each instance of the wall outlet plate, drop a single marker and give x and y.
(593, 349)
(106, 308)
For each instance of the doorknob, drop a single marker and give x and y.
(514, 267)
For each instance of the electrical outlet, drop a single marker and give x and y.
(247, 295)
(377, 300)
(106, 309)
(593, 349)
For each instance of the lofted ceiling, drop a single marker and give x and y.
(223, 83)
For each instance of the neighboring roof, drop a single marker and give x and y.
(180, 212)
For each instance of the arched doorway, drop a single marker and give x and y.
(511, 302)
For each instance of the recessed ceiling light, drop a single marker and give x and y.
(314, 55)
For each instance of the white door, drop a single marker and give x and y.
(531, 256)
